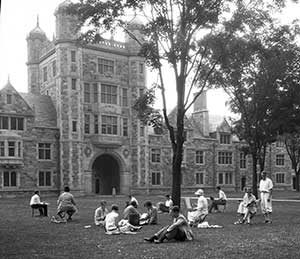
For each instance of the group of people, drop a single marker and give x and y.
(180, 229)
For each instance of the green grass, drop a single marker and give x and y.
(22, 236)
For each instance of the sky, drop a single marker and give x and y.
(19, 17)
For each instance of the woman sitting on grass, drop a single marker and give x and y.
(100, 214)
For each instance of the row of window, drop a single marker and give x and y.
(10, 178)
(109, 125)
(10, 148)
(224, 158)
(11, 123)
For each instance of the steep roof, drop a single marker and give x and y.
(44, 110)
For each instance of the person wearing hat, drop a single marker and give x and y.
(198, 214)
(100, 214)
(265, 188)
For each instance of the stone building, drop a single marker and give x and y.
(76, 126)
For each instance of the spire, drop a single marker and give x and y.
(8, 79)
(37, 21)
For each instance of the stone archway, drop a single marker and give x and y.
(106, 175)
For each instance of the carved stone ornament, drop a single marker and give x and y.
(125, 153)
(87, 151)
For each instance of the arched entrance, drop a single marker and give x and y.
(106, 175)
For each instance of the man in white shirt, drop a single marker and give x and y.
(165, 207)
(265, 188)
(198, 214)
(35, 203)
(111, 221)
(220, 201)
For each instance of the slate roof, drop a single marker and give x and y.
(44, 110)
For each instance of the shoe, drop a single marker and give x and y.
(69, 219)
(149, 239)
(157, 241)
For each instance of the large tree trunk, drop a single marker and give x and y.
(297, 181)
(254, 175)
(176, 181)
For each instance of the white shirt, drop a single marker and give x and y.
(265, 185)
(111, 220)
(169, 203)
(134, 199)
(202, 205)
(222, 195)
(35, 199)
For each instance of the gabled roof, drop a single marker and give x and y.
(172, 118)
(18, 106)
(44, 110)
(224, 126)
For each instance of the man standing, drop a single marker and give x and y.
(265, 188)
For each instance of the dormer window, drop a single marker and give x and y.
(224, 138)
(9, 98)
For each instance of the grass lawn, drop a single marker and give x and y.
(23, 236)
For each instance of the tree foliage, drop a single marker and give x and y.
(180, 33)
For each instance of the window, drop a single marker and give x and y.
(74, 126)
(44, 151)
(45, 76)
(19, 149)
(199, 157)
(224, 138)
(109, 94)
(11, 148)
(74, 83)
(155, 155)
(156, 178)
(125, 127)
(109, 125)
(141, 68)
(73, 56)
(54, 68)
(44, 178)
(105, 66)
(16, 123)
(141, 92)
(225, 158)
(2, 148)
(3, 122)
(280, 143)
(95, 88)
(87, 124)
(225, 178)
(280, 178)
(96, 124)
(242, 160)
(280, 160)
(9, 179)
(142, 131)
(199, 178)
(9, 98)
(87, 93)
(124, 97)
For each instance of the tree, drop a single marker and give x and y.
(256, 71)
(172, 31)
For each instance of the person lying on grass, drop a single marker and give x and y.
(100, 214)
(149, 218)
(179, 230)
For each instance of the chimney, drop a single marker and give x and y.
(200, 113)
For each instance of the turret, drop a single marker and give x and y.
(134, 28)
(65, 24)
(35, 43)
(200, 113)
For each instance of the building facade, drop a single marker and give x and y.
(76, 126)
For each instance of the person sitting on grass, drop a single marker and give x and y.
(166, 206)
(66, 205)
(198, 214)
(115, 227)
(179, 230)
(220, 201)
(100, 214)
(131, 214)
(149, 218)
(249, 207)
(35, 203)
